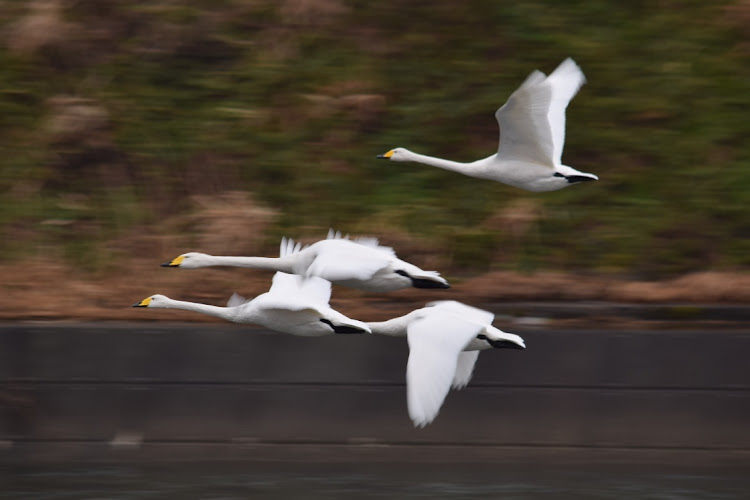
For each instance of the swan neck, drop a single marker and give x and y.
(395, 327)
(454, 166)
(226, 313)
(267, 263)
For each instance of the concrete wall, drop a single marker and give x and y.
(151, 390)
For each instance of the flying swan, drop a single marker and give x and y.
(444, 342)
(360, 263)
(532, 135)
(292, 305)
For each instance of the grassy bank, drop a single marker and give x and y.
(122, 119)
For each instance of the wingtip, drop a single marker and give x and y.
(335, 235)
(420, 423)
(236, 300)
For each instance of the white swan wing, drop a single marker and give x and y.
(435, 341)
(373, 243)
(473, 313)
(236, 300)
(269, 305)
(311, 291)
(525, 133)
(464, 368)
(336, 235)
(347, 264)
(565, 82)
(288, 247)
(367, 241)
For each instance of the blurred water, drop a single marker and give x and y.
(328, 481)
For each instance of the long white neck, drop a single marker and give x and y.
(227, 313)
(455, 166)
(267, 263)
(395, 327)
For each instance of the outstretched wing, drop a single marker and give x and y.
(464, 369)
(236, 300)
(532, 122)
(435, 342)
(565, 82)
(374, 244)
(368, 241)
(342, 260)
(335, 235)
(475, 314)
(288, 247)
(342, 266)
(312, 291)
(525, 134)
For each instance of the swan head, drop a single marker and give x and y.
(187, 260)
(501, 340)
(398, 154)
(156, 301)
(572, 175)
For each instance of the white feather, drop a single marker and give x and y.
(292, 304)
(464, 369)
(435, 341)
(443, 350)
(532, 136)
(362, 263)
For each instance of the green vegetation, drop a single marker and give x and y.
(113, 114)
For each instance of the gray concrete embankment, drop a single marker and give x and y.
(214, 391)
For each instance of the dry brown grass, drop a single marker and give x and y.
(75, 120)
(312, 13)
(231, 223)
(41, 27)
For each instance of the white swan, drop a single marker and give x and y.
(292, 305)
(532, 134)
(444, 342)
(361, 263)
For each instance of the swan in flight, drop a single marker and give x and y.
(532, 134)
(444, 342)
(360, 263)
(292, 305)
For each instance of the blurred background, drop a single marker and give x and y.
(132, 132)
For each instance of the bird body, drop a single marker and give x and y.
(532, 135)
(292, 305)
(444, 342)
(282, 316)
(361, 263)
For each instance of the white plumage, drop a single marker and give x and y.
(444, 342)
(292, 305)
(532, 135)
(357, 263)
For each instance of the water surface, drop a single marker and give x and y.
(348, 481)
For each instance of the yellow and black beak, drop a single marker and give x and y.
(174, 262)
(386, 156)
(144, 303)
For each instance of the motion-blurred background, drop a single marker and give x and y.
(134, 131)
